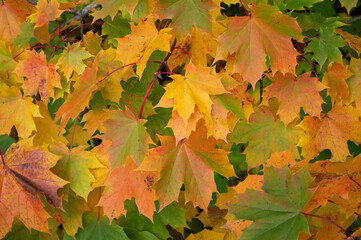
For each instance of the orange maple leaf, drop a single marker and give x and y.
(267, 32)
(23, 174)
(124, 183)
(40, 76)
(293, 93)
(330, 132)
(192, 162)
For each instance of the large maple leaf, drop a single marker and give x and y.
(293, 93)
(186, 13)
(40, 76)
(128, 135)
(192, 162)
(16, 110)
(267, 32)
(331, 132)
(144, 40)
(265, 136)
(193, 89)
(24, 173)
(124, 183)
(276, 211)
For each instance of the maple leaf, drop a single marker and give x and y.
(16, 110)
(326, 46)
(45, 12)
(23, 174)
(275, 210)
(124, 183)
(74, 167)
(128, 135)
(334, 79)
(193, 89)
(144, 40)
(83, 89)
(331, 132)
(265, 136)
(294, 92)
(280, 159)
(192, 162)
(71, 59)
(266, 33)
(186, 13)
(40, 76)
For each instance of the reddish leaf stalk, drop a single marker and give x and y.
(2, 157)
(328, 220)
(72, 136)
(155, 77)
(146, 94)
(358, 214)
(115, 71)
(83, 24)
(182, 51)
(353, 180)
(244, 8)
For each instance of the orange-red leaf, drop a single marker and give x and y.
(124, 183)
(293, 93)
(40, 76)
(267, 32)
(25, 174)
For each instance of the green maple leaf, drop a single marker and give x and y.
(265, 136)
(95, 229)
(186, 13)
(276, 211)
(326, 46)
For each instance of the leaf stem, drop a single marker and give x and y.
(328, 220)
(358, 214)
(244, 8)
(182, 51)
(155, 75)
(353, 180)
(115, 71)
(2, 157)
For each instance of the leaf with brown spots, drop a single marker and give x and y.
(24, 173)
(124, 183)
(40, 76)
